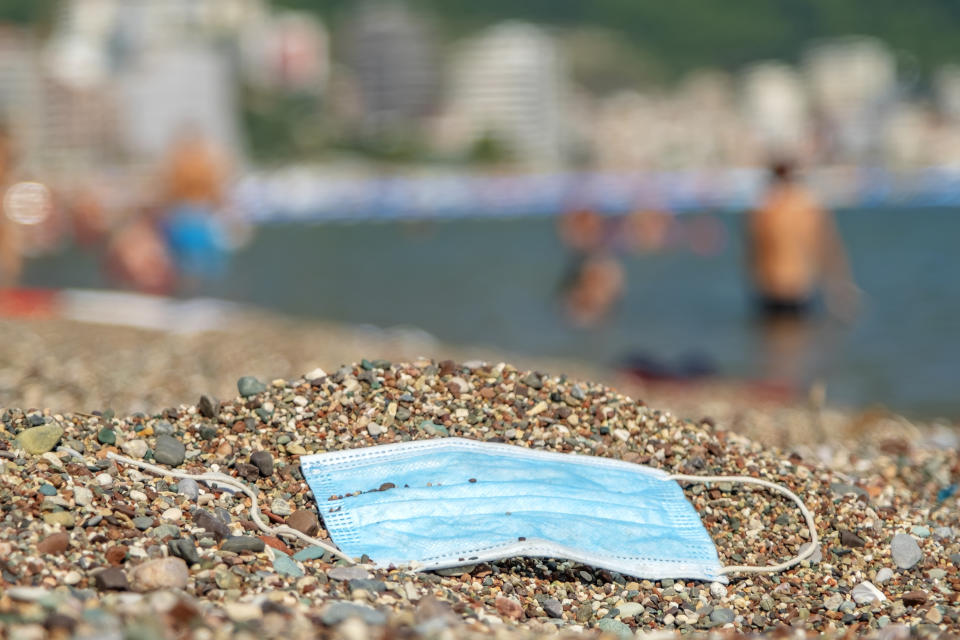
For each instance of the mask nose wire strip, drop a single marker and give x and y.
(213, 477)
(811, 525)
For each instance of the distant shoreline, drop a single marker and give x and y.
(302, 193)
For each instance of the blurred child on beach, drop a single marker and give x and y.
(182, 241)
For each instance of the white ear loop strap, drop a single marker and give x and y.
(811, 525)
(211, 477)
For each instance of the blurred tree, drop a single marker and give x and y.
(682, 35)
(489, 149)
(38, 12)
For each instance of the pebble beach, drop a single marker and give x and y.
(90, 548)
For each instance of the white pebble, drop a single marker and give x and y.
(52, 458)
(82, 496)
(139, 496)
(717, 590)
(883, 575)
(300, 401)
(172, 515)
(281, 507)
(104, 480)
(866, 592)
(134, 448)
(316, 374)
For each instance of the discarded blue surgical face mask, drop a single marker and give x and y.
(451, 501)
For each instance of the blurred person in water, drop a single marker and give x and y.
(795, 257)
(795, 251)
(594, 280)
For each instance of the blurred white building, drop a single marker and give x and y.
(289, 51)
(21, 90)
(946, 83)
(170, 93)
(774, 102)
(158, 68)
(509, 84)
(393, 58)
(56, 126)
(852, 82)
(698, 125)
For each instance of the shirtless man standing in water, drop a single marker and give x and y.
(794, 251)
(794, 248)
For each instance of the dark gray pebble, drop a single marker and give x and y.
(532, 380)
(263, 461)
(369, 584)
(113, 579)
(850, 539)
(338, 611)
(210, 523)
(237, 544)
(250, 386)
(553, 607)
(722, 616)
(208, 406)
(189, 488)
(169, 451)
(185, 548)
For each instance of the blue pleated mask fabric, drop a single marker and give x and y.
(452, 501)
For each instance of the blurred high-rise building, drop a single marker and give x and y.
(391, 53)
(853, 83)
(56, 126)
(775, 103)
(509, 85)
(289, 51)
(946, 84)
(21, 90)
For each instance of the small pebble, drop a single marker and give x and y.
(54, 544)
(304, 521)
(553, 608)
(39, 439)
(905, 551)
(171, 515)
(883, 575)
(112, 579)
(134, 448)
(866, 592)
(162, 573)
(189, 488)
(617, 628)
(722, 616)
(169, 451)
(186, 549)
(348, 573)
(263, 461)
(250, 386)
(237, 544)
(208, 407)
(333, 613)
(285, 566)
